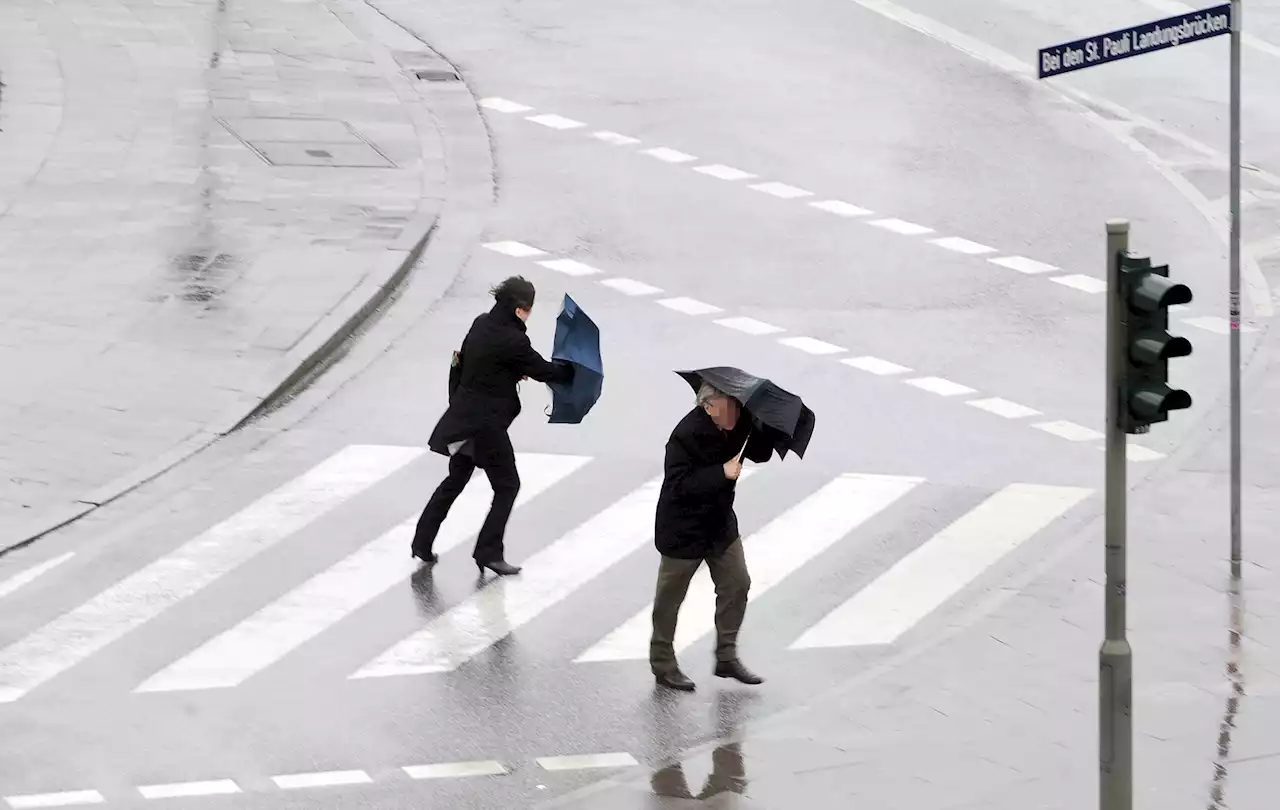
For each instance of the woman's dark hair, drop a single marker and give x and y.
(516, 293)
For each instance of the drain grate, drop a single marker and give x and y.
(437, 75)
(307, 142)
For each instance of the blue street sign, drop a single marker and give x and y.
(1135, 41)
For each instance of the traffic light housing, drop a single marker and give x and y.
(1147, 293)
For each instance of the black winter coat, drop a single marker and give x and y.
(695, 517)
(484, 398)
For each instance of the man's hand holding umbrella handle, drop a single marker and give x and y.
(733, 468)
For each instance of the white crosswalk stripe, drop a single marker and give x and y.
(835, 513)
(496, 611)
(774, 553)
(938, 570)
(339, 591)
(75, 636)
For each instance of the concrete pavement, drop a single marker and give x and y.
(195, 200)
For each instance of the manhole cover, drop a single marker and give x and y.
(345, 155)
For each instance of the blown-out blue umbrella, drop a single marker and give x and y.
(577, 341)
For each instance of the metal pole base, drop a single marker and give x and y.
(1115, 735)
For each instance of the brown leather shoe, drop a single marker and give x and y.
(734, 669)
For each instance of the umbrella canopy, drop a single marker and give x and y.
(777, 413)
(577, 341)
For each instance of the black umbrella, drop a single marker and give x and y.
(784, 420)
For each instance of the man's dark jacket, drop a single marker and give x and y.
(695, 517)
(484, 398)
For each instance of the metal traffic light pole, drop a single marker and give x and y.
(1234, 275)
(1115, 659)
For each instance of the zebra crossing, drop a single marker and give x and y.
(619, 536)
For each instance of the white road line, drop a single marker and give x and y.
(1024, 265)
(74, 636)
(1088, 284)
(555, 121)
(503, 105)
(690, 306)
(811, 345)
(963, 246)
(1136, 452)
(334, 594)
(939, 386)
(28, 576)
(629, 286)
(454, 770)
(668, 155)
(615, 138)
(517, 249)
(69, 798)
(875, 365)
(576, 763)
(220, 787)
(1003, 407)
(1219, 326)
(778, 550)
(842, 209)
(499, 609)
(1069, 431)
(750, 326)
(901, 226)
(321, 779)
(938, 570)
(781, 190)
(569, 267)
(722, 172)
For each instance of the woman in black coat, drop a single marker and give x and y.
(483, 402)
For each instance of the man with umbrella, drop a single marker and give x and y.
(483, 402)
(695, 521)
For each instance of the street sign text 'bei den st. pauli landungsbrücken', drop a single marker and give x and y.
(1135, 41)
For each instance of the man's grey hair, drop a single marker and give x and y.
(708, 392)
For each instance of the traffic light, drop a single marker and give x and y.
(1147, 294)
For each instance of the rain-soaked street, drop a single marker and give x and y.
(240, 240)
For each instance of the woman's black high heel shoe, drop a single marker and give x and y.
(500, 567)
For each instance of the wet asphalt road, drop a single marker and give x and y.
(830, 99)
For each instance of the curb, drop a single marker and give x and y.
(323, 342)
(317, 345)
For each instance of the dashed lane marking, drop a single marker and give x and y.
(941, 387)
(570, 267)
(871, 365)
(724, 172)
(841, 208)
(1083, 283)
(178, 790)
(629, 286)
(320, 779)
(1069, 431)
(1021, 264)
(614, 138)
(667, 155)
(964, 246)
(556, 121)
(689, 306)
(901, 226)
(811, 345)
(1024, 265)
(781, 190)
(750, 326)
(298, 781)
(574, 763)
